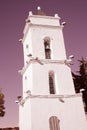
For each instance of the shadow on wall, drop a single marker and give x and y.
(9, 128)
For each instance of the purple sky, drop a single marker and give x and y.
(12, 20)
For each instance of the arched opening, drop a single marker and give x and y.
(54, 123)
(47, 48)
(51, 82)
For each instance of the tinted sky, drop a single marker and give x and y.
(12, 20)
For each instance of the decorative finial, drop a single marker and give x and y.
(56, 15)
(30, 13)
(38, 8)
(40, 12)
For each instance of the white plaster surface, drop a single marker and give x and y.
(35, 113)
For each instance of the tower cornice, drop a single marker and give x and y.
(61, 98)
(44, 61)
(29, 25)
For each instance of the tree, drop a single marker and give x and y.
(80, 81)
(2, 108)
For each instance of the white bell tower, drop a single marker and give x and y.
(49, 100)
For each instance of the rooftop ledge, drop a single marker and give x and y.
(43, 19)
(45, 16)
(41, 14)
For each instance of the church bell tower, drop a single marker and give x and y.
(49, 101)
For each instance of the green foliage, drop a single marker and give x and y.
(2, 108)
(80, 80)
